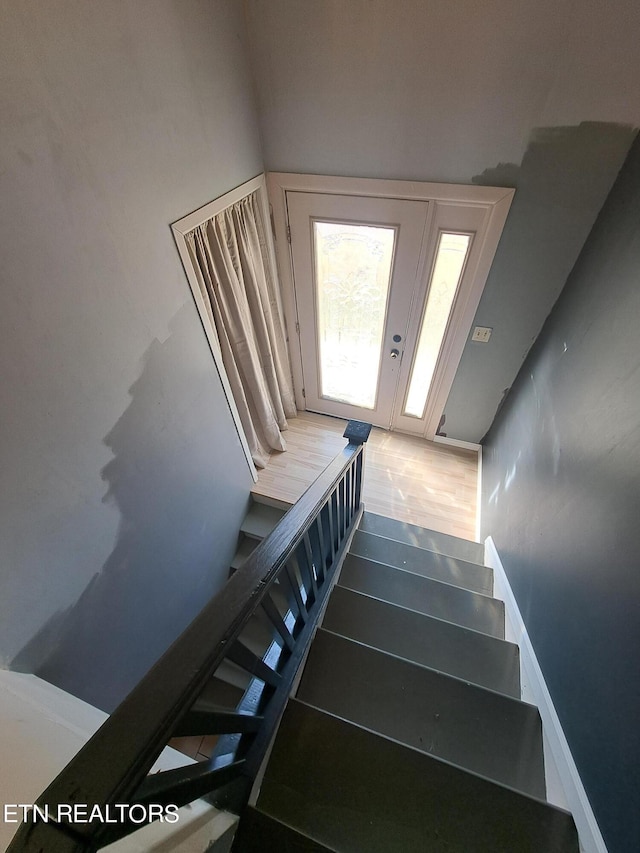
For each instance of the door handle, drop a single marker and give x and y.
(394, 353)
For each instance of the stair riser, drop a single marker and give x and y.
(233, 675)
(220, 694)
(449, 648)
(427, 563)
(441, 543)
(354, 791)
(260, 520)
(485, 732)
(260, 833)
(246, 547)
(424, 595)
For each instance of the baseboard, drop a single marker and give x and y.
(479, 497)
(564, 787)
(456, 442)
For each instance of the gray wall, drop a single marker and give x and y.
(462, 92)
(561, 497)
(122, 481)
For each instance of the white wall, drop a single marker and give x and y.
(443, 91)
(122, 481)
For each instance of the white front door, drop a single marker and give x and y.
(383, 291)
(355, 263)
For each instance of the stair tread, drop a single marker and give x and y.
(353, 790)
(432, 711)
(424, 595)
(433, 540)
(427, 640)
(260, 520)
(413, 558)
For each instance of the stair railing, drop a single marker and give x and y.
(109, 777)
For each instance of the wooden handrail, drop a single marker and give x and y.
(113, 765)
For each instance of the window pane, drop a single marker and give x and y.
(450, 258)
(353, 270)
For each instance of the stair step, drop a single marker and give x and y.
(411, 558)
(466, 654)
(258, 634)
(232, 675)
(352, 790)
(465, 724)
(246, 547)
(424, 595)
(221, 693)
(261, 833)
(260, 520)
(259, 498)
(442, 543)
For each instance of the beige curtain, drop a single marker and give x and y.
(229, 253)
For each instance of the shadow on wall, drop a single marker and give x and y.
(175, 480)
(563, 181)
(561, 184)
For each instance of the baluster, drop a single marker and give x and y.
(358, 496)
(216, 722)
(354, 489)
(246, 659)
(294, 584)
(341, 504)
(323, 549)
(336, 506)
(277, 621)
(316, 552)
(332, 532)
(306, 541)
(345, 498)
(307, 574)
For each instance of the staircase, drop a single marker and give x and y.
(406, 732)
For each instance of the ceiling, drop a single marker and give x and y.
(540, 96)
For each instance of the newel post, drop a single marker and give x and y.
(357, 433)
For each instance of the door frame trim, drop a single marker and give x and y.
(495, 200)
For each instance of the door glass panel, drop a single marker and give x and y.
(353, 271)
(450, 258)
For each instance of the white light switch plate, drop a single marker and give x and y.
(481, 333)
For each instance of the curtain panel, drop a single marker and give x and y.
(238, 287)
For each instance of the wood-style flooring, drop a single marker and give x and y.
(407, 478)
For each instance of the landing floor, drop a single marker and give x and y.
(407, 478)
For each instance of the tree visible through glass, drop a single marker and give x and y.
(353, 274)
(450, 258)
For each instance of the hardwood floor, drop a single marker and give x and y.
(407, 478)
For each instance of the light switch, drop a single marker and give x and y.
(481, 333)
